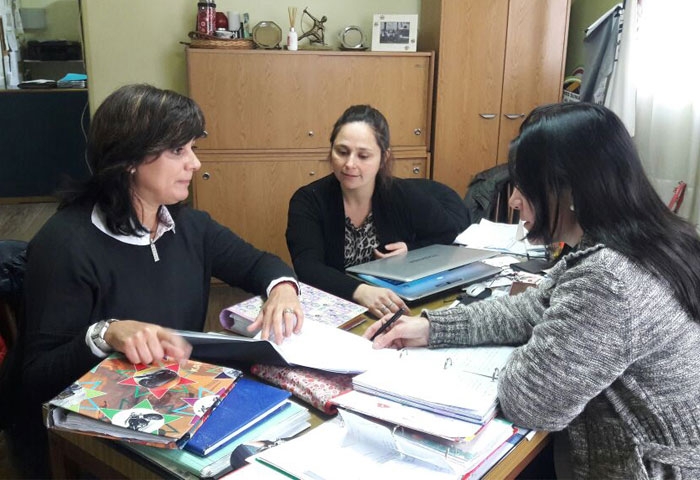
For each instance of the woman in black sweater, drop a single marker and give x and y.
(123, 262)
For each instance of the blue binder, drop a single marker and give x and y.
(247, 403)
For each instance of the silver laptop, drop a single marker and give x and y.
(421, 262)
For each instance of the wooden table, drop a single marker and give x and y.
(73, 454)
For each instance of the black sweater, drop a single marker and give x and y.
(78, 275)
(418, 213)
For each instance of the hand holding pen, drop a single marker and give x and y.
(388, 323)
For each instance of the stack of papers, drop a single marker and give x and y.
(359, 448)
(502, 237)
(73, 80)
(37, 84)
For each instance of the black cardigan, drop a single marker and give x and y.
(418, 212)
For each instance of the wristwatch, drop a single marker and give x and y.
(98, 334)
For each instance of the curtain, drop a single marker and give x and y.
(654, 91)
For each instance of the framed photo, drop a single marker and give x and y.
(394, 33)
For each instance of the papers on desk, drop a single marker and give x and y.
(503, 237)
(355, 447)
(318, 346)
(456, 382)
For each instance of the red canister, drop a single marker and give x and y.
(221, 21)
(206, 17)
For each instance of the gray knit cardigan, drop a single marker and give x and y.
(607, 354)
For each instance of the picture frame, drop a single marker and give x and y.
(394, 33)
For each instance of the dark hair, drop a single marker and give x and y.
(132, 124)
(374, 118)
(586, 149)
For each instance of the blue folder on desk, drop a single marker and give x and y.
(436, 283)
(246, 404)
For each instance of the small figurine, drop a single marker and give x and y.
(316, 34)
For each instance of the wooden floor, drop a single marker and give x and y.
(22, 220)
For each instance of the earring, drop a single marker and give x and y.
(571, 207)
(132, 171)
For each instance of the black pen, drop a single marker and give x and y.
(389, 322)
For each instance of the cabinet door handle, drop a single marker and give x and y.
(206, 176)
(417, 131)
(416, 170)
(312, 173)
(487, 116)
(514, 116)
(310, 133)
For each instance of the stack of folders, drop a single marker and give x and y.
(163, 404)
(253, 411)
(455, 382)
(428, 414)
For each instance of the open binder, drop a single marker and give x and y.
(456, 382)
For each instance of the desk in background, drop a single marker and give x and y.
(41, 133)
(73, 454)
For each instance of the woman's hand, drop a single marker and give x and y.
(391, 250)
(146, 343)
(281, 314)
(380, 301)
(405, 332)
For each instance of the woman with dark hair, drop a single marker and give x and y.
(609, 338)
(360, 212)
(123, 262)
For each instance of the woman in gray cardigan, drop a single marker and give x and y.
(609, 339)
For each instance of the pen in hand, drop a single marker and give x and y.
(389, 322)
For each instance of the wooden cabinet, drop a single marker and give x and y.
(269, 115)
(495, 61)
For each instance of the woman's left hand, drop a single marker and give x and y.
(392, 249)
(281, 314)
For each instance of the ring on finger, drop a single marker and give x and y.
(288, 310)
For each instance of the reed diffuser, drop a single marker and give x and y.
(292, 38)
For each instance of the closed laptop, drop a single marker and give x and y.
(441, 282)
(421, 262)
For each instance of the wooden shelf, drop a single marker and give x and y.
(50, 61)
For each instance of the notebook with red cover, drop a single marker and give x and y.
(161, 404)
